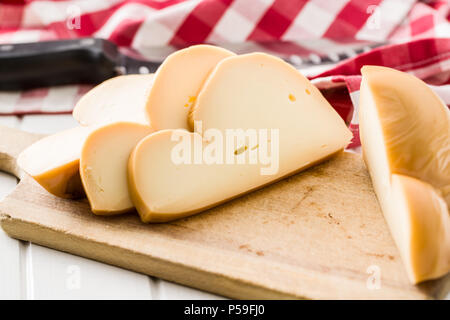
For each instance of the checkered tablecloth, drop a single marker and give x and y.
(410, 35)
(427, 59)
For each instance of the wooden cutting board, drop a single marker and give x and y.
(319, 234)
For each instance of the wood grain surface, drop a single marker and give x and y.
(319, 234)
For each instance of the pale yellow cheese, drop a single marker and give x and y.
(123, 98)
(254, 91)
(54, 162)
(177, 83)
(103, 165)
(405, 134)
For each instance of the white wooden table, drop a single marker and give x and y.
(29, 271)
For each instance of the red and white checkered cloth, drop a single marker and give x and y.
(427, 59)
(417, 34)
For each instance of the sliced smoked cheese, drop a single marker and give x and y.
(177, 83)
(54, 162)
(405, 136)
(122, 98)
(277, 124)
(103, 165)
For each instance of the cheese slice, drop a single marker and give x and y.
(258, 91)
(122, 98)
(103, 165)
(177, 83)
(54, 162)
(405, 136)
(295, 128)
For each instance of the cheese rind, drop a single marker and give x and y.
(177, 83)
(123, 98)
(103, 166)
(246, 92)
(424, 235)
(404, 130)
(54, 162)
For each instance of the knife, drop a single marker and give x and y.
(49, 63)
(89, 61)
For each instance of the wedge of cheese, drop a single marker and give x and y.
(262, 120)
(54, 162)
(178, 82)
(123, 98)
(103, 165)
(405, 136)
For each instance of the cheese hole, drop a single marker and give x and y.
(191, 101)
(240, 150)
(292, 97)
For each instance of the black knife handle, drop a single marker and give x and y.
(40, 64)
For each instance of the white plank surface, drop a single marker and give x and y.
(10, 276)
(10, 249)
(60, 275)
(173, 291)
(29, 271)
